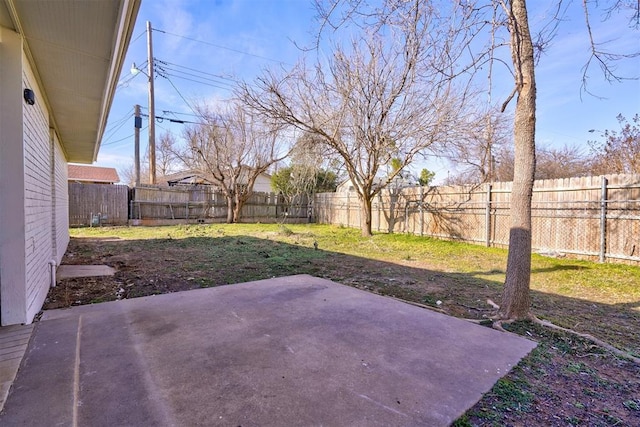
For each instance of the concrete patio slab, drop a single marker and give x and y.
(70, 271)
(295, 350)
(13, 345)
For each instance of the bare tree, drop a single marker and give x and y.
(128, 175)
(316, 161)
(232, 148)
(166, 161)
(565, 162)
(383, 96)
(474, 150)
(309, 170)
(465, 25)
(620, 150)
(165, 154)
(516, 295)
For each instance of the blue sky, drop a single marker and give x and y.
(215, 41)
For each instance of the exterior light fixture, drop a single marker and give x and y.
(29, 96)
(135, 70)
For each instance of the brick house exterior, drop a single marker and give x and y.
(40, 48)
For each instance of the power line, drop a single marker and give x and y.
(160, 119)
(137, 37)
(219, 46)
(218, 86)
(197, 71)
(181, 96)
(121, 139)
(204, 80)
(116, 126)
(179, 113)
(119, 121)
(196, 76)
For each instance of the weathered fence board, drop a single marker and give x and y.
(203, 203)
(98, 204)
(596, 217)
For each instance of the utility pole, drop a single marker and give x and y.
(152, 111)
(137, 123)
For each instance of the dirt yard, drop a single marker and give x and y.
(566, 381)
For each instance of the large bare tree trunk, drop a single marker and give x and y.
(237, 206)
(365, 215)
(515, 296)
(230, 208)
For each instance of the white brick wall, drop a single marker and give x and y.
(60, 231)
(33, 189)
(12, 242)
(37, 198)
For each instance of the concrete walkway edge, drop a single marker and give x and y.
(13, 345)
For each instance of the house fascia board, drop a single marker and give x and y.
(128, 14)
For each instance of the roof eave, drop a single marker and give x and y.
(126, 25)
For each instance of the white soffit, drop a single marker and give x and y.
(77, 49)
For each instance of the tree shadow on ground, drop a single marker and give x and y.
(559, 268)
(599, 388)
(154, 266)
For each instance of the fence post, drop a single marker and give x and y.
(405, 223)
(487, 217)
(359, 217)
(603, 218)
(379, 210)
(421, 210)
(348, 203)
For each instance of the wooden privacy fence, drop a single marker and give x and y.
(205, 204)
(595, 217)
(98, 204)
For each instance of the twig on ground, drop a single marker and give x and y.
(589, 337)
(493, 304)
(470, 307)
(498, 324)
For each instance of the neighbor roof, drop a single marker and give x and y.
(76, 50)
(84, 173)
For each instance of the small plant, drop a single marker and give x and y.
(284, 230)
(430, 300)
(463, 421)
(513, 395)
(632, 405)
(578, 368)
(573, 421)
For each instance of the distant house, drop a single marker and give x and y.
(188, 177)
(263, 183)
(92, 174)
(349, 187)
(59, 67)
(195, 177)
(399, 182)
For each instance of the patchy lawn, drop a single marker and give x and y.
(566, 381)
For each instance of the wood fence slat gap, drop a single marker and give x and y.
(567, 214)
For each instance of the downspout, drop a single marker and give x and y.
(52, 275)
